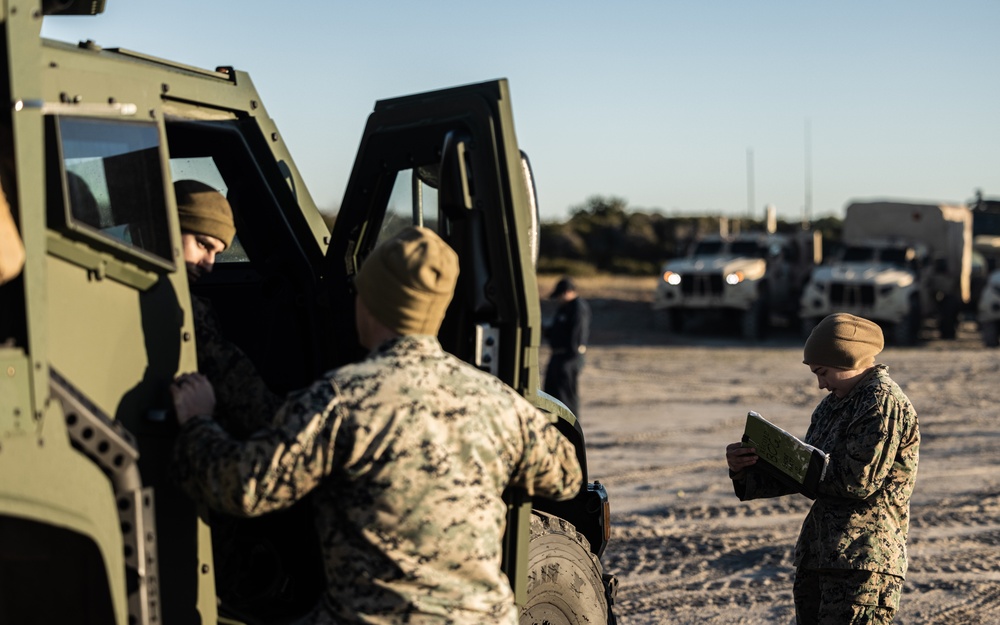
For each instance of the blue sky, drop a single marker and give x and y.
(659, 102)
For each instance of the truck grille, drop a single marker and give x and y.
(852, 294)
(703, 285)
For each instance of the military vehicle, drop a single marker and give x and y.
(986, 284)
(752, 279)
(98, 323)
(900, 263)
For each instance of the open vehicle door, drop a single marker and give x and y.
(449, 160)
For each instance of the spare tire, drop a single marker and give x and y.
(565, 581)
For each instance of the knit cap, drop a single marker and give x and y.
(843, 341)
(408, 281)
(201, 209)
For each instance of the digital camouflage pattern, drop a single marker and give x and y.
(842, 597)
(406, 454)
(861, 515)
(244, 403)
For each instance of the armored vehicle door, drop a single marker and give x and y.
(449, 161)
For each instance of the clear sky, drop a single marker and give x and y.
(669, 105)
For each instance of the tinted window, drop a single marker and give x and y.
(707, 248)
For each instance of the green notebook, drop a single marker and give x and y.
(785, 456)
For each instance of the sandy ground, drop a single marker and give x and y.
(658, 411)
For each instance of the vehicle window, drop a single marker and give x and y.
(707, 248)
(204, 169)
(413, 202)
(858, 254)
(895, 256)
(747, 248)
(112, 185)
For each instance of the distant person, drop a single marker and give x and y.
(567, 335)
(850, 557)
(406, 454)
(245, 403)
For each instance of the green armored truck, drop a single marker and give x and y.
(99, 321)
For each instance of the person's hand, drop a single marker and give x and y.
(739, 458)
(193, 395)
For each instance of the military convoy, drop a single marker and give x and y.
(99, 322)
(899, 264)
(747, 280)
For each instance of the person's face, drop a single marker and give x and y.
(199, 253)
(837, 381)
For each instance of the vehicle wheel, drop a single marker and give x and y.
(948, 320)
(565, 582)
(991, 333)
(907, 330)
(807, 324)
(755, 321)
(669, 320)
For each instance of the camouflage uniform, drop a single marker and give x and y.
(407, 453)
(861, 515)
(244, 403)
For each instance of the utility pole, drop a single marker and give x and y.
(750, 199)
(807, 208)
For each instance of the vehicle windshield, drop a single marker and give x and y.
(707, 248)
(746, 248)
(858, 254)
(896, 256)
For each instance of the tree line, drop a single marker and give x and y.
(603, 236)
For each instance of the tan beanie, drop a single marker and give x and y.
(203, 210)
(408, 281)
(844, 341)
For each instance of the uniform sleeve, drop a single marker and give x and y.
(549, 466)
(872, 440)
(756, 484)
(273, 468)
(244, 403)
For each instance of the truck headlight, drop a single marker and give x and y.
(671, 278)
(734, 278)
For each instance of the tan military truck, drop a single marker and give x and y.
(747, 281)
(988, 311)
(900, 263)
(99, 321)
(986, 282)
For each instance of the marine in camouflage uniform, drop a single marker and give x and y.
(850, 557)
(244, 401)
(406, 454)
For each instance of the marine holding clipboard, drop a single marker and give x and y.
(850, 557)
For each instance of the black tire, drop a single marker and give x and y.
(559, 557)
(948, 319)
(669, 320)
(755, 321)
(806, 325)
(991, 333)
(907, 331)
